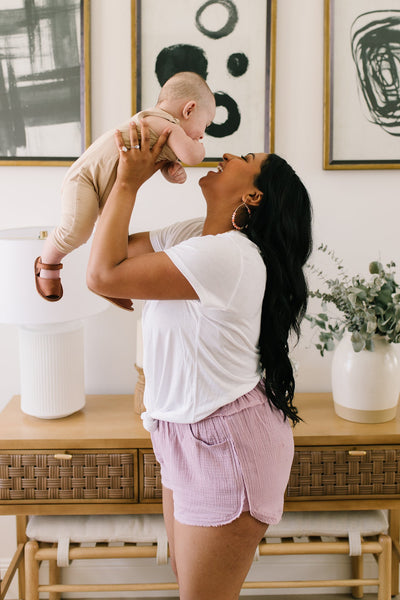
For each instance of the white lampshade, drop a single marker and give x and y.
(20, 303)
(50, 333)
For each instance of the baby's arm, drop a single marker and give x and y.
(189, 151)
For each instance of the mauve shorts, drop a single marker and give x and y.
(237, 459)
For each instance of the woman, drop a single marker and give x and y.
(223, 294)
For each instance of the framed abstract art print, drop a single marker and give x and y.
(230, 46)
(362, 84)
(44, 81)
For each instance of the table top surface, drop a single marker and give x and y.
(109, 421)
(106, 421)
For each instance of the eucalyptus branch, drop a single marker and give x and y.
(367, 308)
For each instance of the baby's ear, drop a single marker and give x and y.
(188, 109)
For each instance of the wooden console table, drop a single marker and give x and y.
(100, 461)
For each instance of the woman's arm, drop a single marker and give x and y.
(113, 269)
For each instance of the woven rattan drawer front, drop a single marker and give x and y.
(84, 476)
(316, 472)
(345, 471)
(150, 488)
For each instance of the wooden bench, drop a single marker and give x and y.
(58, 540)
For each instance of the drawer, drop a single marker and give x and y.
(316, 472)
(150, 488)
(82, 476)
(345, 471)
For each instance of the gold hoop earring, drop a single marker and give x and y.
(235, 214)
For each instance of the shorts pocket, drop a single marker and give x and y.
(209, 432)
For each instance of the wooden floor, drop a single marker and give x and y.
(311, 597)
(282, 597)
(308, 597)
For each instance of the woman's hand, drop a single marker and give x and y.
(139, 162)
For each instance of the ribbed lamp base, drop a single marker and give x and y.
(52, 369)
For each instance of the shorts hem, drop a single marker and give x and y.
(268, 520)
(219, 524)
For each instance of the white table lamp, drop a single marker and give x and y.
(50, 333)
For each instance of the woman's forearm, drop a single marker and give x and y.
(110, 241)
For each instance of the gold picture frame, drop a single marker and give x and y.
(45, 84)
(361, 105)
(243, 80)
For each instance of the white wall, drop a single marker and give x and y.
(356, 212)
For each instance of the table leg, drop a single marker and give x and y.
(394, 532)
(22, 522)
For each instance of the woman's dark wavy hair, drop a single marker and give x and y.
(281, 227)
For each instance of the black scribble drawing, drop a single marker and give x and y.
(375, 45)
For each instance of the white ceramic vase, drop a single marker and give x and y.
(366, 385)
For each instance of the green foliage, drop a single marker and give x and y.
(367, 308)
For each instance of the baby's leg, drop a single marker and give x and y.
(50, 256)
(80, 209)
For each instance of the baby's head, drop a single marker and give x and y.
(188, 98)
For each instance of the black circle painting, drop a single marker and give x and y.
(225, 43)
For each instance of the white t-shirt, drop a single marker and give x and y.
(199, 355)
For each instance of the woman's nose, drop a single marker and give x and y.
(227, 156)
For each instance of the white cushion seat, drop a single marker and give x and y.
(352, 524)
(356, 527)
(64, 530)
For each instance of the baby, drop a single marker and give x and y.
(188, 105)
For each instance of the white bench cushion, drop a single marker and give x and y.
(150, 528)
(99, 528)
(352, 524)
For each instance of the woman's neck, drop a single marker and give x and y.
(213, 225)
